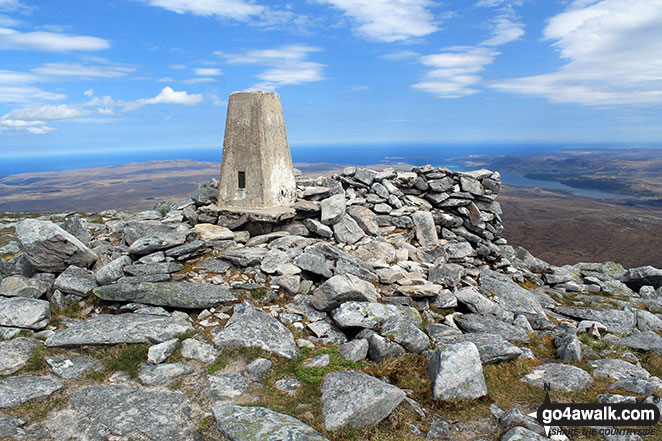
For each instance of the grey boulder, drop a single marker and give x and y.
(356, 399)
(370, 315)
(77, 281)
(18, 390)
(406, 334)
(244, 423)
(14, 354)
(174, 294)
(250, 327)
(559, 376)
(492, 348)
(339, 289)
(23, 312)
(49, 248)
(122, 328)
(426, 232)
(225, 386)
(72, 367)
(153, 374)
(456, 372)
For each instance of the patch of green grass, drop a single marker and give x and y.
(37, 362)
(315, 375)
(37, 410)
(186, 335)
(125, 357)
(205, 424)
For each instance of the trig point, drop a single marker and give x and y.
(256, 169)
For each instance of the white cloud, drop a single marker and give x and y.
(89, 92)
(34, 119)
(613, 48)
(401, 55)
(49, 41)
(389, 20)
(82, 71)
(286, 65)
(13, 5)
(207, 71)
(234, 9)
(506, 28)
(454, 73)
(169, 96)
(199, 80)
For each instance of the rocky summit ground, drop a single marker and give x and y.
(378, 306)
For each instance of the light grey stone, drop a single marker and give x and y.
(512, 297)
(175, 294)
(333, 209)
(195, 349)
(405, 333)
(515, 417)
(356, 399)
(19, 286)
(225, 386)
(479, 304)
(636, 385)
(326, 332)
(647, 321)
(316, 227)
(492, 348)
(163, 241)
(127, 412)
(559, 376)
(154, 374)
(76, 281)
(243, 423)
(568, 347)
(303, 304)
(146, 269)
(484, 323)
(289, 385)
(347, 231)
(616, 321)
(339, 289)
(158, 353)
(18, 390)
(618, 369)
(522, 434)
(14, 354)
(380, 348)
(72, 366)
(49, 248)
(370, 315)
(258, 369)
(355, 350)
(426, 232)
(245, 256)
(18, 429)
(319, 361)
(635, 278)
(365, 218)
(122, 328)
(24, 312)
(644, 341)
(456, 372)
(249, 327)
(113, 271)
(7, 333)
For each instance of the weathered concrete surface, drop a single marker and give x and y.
(256, 144)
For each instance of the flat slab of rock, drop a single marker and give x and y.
(426, 232)
(111, 411)
(356, 399)
(153, 374)
(195, 349)
(512, 297)
(225, 386)
(72, 367)
(77, 281)
(18, 429)
(559, 376)
(243, 423)
(492, 348)
(175, 294)
(618, 369)
(49, 248)
(23, 312)
(616, 321)
(18, 390)
(14, 354)
(250, 327)
(644, 341)
(522, 434)
(370, 315)
(486, 323)
(122, 328)
(456, 372)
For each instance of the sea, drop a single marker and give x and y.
(440, 155)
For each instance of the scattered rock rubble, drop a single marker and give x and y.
(366, 267)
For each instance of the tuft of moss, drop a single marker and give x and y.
(125, 357)
(37, 410)
(37, 362)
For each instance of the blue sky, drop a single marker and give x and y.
(122, 74)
